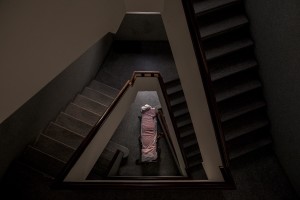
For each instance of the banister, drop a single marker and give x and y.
(91, 134)
(100, 122)
(206, 79)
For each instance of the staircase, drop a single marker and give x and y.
(228, 47)
(57, 143)
(188, 140)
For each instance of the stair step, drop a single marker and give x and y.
(244, 149)
(178, 100)
(214, 52)
(63, 135)
(204, 6)
(244, 125)
(189, 143)
(223, 25)
(104, 89)
(233, 112)
(113, 146)
(195, 160)
(232, 68)
(183, 121)
(73, 124)
(90, 105)
(82, 114)
(103, 164)
(97, 96)
(42, 161)
(180, 109)
(174, 89)
(54, 148)
(197, 172)
(193, 153)
(186, 131)
(235, 87)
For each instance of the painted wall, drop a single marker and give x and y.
(142, 28)
(275, 27)
(24, 125)
(39, 39)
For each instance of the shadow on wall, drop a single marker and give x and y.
(23, 126)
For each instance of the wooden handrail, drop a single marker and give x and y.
(205, 74)
(164, 91)
(207, 82)
(61, 176)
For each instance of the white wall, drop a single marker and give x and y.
(39, 39)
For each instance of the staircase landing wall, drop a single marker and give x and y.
(26, 123)
(275, 29)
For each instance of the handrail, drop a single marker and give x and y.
(91, 134)
(207, 82)
(101, 121)
(164, 91)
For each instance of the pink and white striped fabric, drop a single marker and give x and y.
(148, 134)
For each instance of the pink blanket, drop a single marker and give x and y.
(148, 134)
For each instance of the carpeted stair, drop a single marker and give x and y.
(228, 47)
(56, 144)
(185, 129)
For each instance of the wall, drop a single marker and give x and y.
(24, 125)
(276, 31)
(142, 27)
(39, 39)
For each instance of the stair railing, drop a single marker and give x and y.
(208, 86)
(168, 182)
(106, 114)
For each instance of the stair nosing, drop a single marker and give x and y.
(248, 43)
(85, 109)
(203, 12)
(75, 133)
(233, 136)
(57, 141)
(244, 21)
(260, 105)
(36, 149)
(232, 72)
(92, 100)
(254, 87)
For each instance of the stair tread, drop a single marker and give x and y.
(241, 109)
(242, 150)
(42, 161)
(97, 96)
(82, 114)
(63, 135)
(204, 6)
(177, 100)
(54, 148)
(228, 47)
(180, 109)
(222, 26)
(244, 126)
(73, 124)
(89, 104)
(219, 73)
(103, 88)
(186, 132)
(231, 91)
(184, 122)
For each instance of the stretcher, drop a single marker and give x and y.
(148, 136)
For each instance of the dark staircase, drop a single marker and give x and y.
(186, 134)
(57, 143)
(228, 47)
